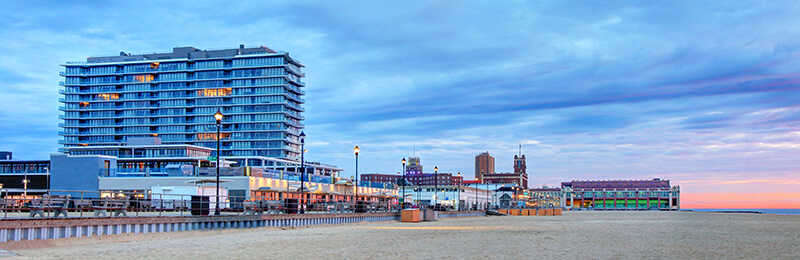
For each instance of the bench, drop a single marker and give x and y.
(257, 207)
(82, 203)
(319, 207)
(117, 206)
(59, 205)
(273, 206)
(343, 207)
(144, 204)
(252, 207)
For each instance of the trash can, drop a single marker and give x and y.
(430, 215)
(361, 207)
(292, 206)
(200, 205)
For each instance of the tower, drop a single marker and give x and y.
(484, 163)
(414, 167)
(519, 164)
(521, 170)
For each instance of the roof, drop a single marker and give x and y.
(139, 146)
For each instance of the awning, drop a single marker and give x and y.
(381, 194)
(296, 188)
(204, 181)
(344, 182)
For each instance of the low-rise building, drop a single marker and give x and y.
(621, 194)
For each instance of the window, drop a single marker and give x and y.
(143, 78)
(219, 92)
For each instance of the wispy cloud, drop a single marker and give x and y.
(592, 91)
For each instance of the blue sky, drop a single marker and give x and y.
(705, 94)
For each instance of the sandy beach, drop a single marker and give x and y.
(578, 235)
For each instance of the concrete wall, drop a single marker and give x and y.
(77, 172)
(32, 229)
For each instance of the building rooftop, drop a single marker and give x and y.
(188, 52)
(600, 184)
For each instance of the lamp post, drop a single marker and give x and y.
(476, 193)
(458, 199)
(218, 116)
(419, 189)
(302, 169)
(488, 196)
(435, 187)
(25, 186)
(356, 150)
(404, 183)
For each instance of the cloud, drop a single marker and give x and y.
(594, 91)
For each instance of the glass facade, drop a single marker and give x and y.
(174, 96)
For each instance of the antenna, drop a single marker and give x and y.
(520, 149)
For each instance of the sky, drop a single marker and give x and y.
(705, 94)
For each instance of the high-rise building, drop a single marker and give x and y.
(518, 178)
(484, 163)
(174, 95)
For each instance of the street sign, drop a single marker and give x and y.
(401, 200)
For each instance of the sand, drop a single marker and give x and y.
(576, 235)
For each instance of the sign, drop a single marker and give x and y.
(401, 200)
(212, 158)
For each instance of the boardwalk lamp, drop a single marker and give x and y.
(356, 150)
(218, 116)
(476, 193)
(458, 199)
(404, 184)
(435, 187)
(302, 168)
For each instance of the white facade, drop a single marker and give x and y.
(449, 196)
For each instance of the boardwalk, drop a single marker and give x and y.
(578, 235)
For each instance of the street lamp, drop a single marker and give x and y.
(302, 169)
(435, 187)
(419, 189)
(476, 193)
(458, 200)
(218, 116)
(488, 196)
(356, 150)
(404, 183)
(25, 185)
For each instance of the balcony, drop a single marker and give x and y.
(296, 107)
